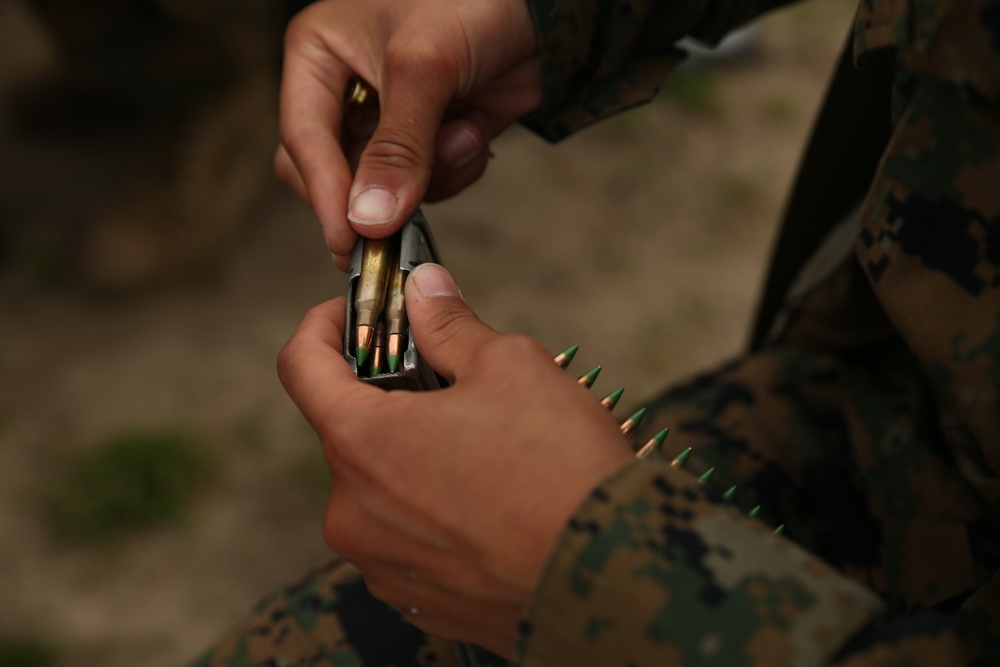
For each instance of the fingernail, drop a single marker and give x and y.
(434, 280)
(374, 206)
(459, 147)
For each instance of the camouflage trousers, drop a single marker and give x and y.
(844, 449)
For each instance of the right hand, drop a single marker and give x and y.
(450, 501)
(450, 75)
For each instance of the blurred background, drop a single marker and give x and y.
(154, 479)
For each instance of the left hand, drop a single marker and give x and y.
(449, 501)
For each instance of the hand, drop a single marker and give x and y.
(449, 501)
(450, 76)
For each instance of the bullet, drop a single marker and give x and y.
(395, 317)
(729, 494)
(707, 476)
(611, 400)
(357, 93)
(588, 378)
(779, 530)
(629, 426)
(754, 512)
(681, 459)
(369, 297)
(654, 444)
(378, 351)
(566, 356)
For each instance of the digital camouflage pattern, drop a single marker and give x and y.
(868, 425)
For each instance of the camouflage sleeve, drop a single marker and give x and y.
(600, 57)
(929, 233)
(657, 569)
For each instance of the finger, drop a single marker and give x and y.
(396, 165)
(288, 174)
(343, 262)
(445, 330)
(312, 89)
(312, 368)
(461, 156)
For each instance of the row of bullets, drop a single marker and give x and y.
(654, 444)
(380, 333)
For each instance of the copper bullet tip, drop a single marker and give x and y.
(365, 336)
(563, 358)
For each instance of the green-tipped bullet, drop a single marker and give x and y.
(362, 356)
(779, 530)
(393, 360)
(707, 476)
(395, 316)
(611, 400)
(729, 494)
(754, 512)
(654, 444)
(566, 356)
(681, 459)
(588, 378)
(629, 426)
(378, 352)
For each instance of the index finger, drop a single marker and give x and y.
(313, 370)
(313, 81)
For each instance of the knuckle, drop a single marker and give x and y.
(301, 28)
(293, 136)
(395, 149)
(295, 31)
(339, 531)
(415, 59)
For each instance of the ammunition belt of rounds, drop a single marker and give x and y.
(378, 344)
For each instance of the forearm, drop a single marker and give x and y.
(656, 569)
(600, 57)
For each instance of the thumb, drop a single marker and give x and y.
(396, 164)
(445, 329)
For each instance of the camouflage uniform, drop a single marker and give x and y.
(863, 421)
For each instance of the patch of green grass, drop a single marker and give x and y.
(131, 482)
(740, 189)
(27, 651)
(693, 89)
(779, 110)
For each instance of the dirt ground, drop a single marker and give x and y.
(643, 240)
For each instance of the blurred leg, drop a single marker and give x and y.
(328, 618)
(844, 450)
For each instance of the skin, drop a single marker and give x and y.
(446, 507)
(447, 501)
(449, 76)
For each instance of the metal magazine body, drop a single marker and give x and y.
(416, 246)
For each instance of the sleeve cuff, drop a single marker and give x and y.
(656, 568)
(600, 57)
